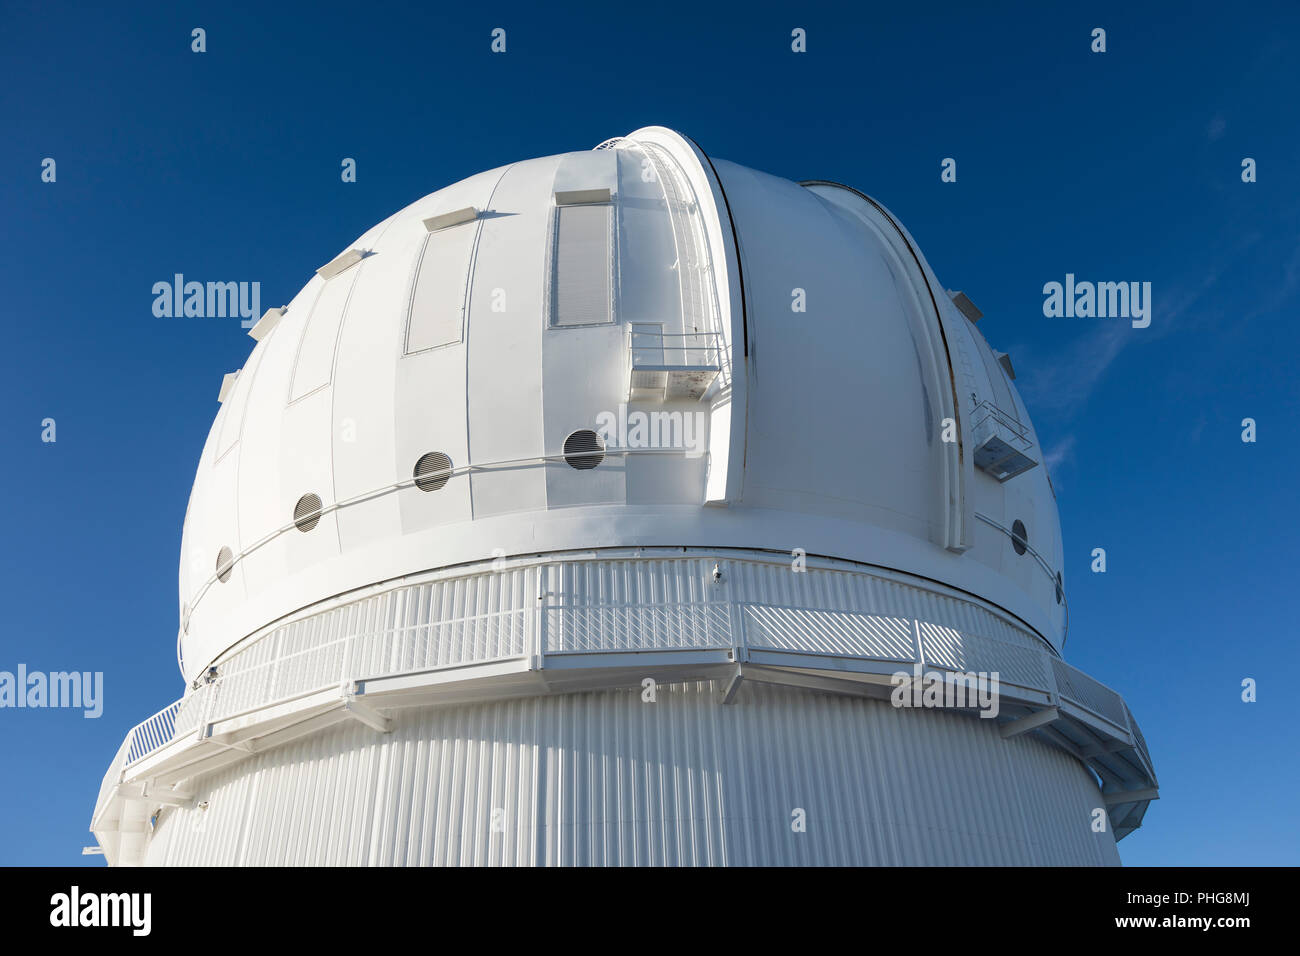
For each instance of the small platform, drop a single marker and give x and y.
(1002, 444)
(669, 366)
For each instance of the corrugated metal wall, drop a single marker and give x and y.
(605, 778)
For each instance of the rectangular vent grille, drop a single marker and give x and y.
(582, 265)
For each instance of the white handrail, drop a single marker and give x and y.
(1058, 584)
(388, 489)
(159, 730)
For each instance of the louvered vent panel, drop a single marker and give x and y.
(580, 279)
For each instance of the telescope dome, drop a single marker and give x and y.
(625, 506)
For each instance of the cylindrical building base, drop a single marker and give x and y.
(778, 776)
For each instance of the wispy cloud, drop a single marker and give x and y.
(1062, 383)
(1057, 455)
(1286, 288)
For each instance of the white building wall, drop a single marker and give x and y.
(604, 778)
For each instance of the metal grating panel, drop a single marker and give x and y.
(437, 624)
(676, 626)
(952, 650)
(843, 633)
(1082, 689)
(582, 264)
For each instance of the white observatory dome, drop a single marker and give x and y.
(623, 444)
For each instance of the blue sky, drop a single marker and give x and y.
(1117, 166)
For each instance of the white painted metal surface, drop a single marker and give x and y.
(557, 627)
(601, 778)
(823, 369)
(387, 360)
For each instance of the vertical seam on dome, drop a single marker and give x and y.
(735, 241)
(472, 268)
(333, 382)
(744, 314)
(943, 335)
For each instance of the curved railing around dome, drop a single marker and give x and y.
(396, 486)
(1051, 572)
(151, 734)
(839, 619)
(507, 464)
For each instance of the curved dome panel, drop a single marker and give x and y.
(771, 365)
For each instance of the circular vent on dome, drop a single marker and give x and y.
(584, 450)
(432, 471)
(1019, 537)
(225, 563)
(306, 513)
